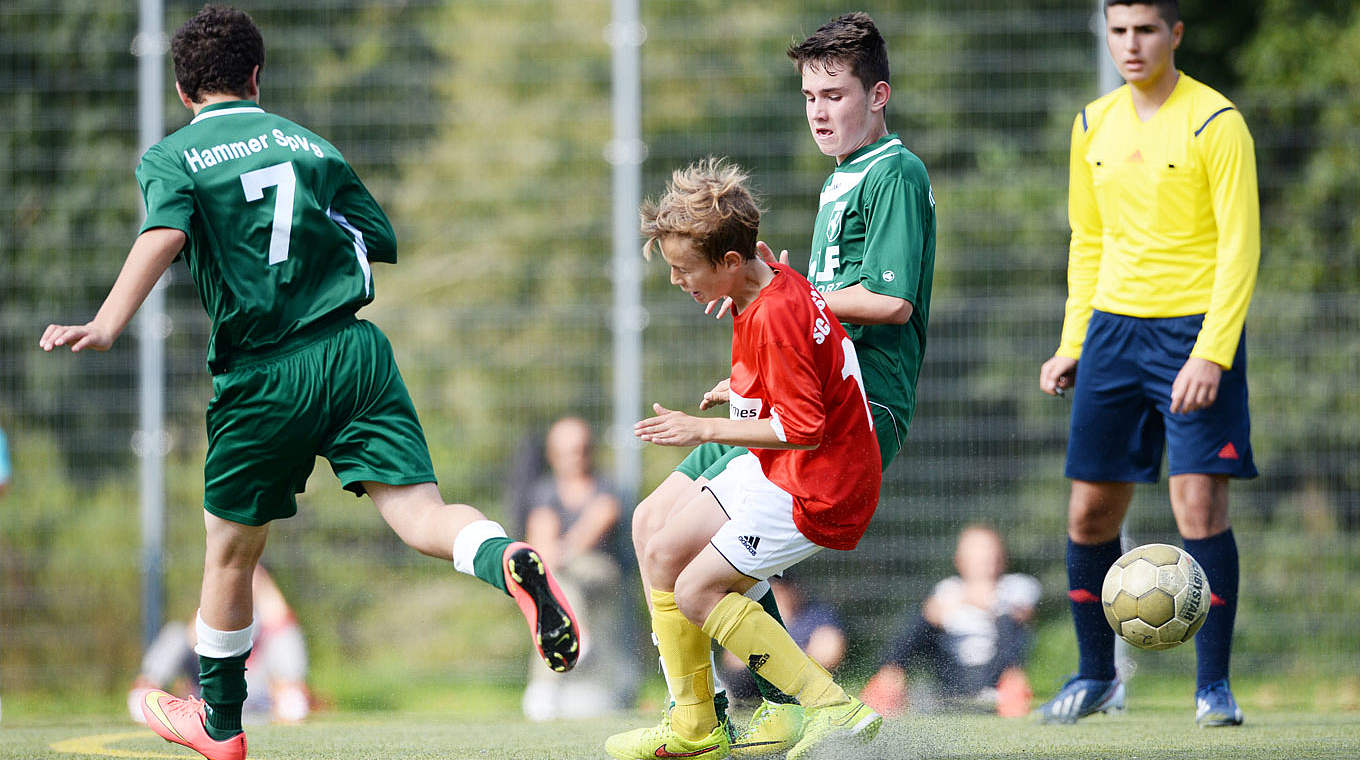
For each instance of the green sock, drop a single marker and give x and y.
(720, 705)
(487, 564)
(769, 691)
(223, 682)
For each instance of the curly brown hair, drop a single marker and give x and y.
(849, 40)
(707, 202)
(216, 51)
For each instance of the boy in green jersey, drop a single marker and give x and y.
(278, 234)
(873, 259)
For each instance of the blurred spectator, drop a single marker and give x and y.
(573, 522)
(971, 636)
(813, 625)
(4, 463)
(527, 468)
(276, 671)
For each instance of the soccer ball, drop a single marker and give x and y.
(1155, 596)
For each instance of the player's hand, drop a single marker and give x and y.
(767, 255)
(1057, 375)
(78, 337)
(1196, 386)
(671, 428)
(719, 395)
(724, 306)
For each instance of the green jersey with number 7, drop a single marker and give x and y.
(281, 231)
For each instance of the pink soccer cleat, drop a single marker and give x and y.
(551, 621)
(184, 721)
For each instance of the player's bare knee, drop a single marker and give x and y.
(1091, 526)
(662, 562)
(1199, 523)
(696, 597)
(643, 524)
(235, 547)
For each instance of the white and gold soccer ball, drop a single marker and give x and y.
(1155, 596)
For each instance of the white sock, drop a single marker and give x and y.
(758, 591)
(220, 645)
(470, 539)
(718, 687)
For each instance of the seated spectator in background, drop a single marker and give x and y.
(814, 626)
(4, 463)
(276, 671)
(971, 637)
(573, 521)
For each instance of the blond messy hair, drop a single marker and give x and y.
(707, 202)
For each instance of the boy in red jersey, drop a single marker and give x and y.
(810, 480)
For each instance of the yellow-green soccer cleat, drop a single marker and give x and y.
(840, 725)
(773, 728)
(660, 741)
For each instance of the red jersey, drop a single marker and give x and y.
(793, 363)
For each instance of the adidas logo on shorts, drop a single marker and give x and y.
(750, 542)
(757, 661)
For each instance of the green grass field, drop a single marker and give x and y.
(1145, 734)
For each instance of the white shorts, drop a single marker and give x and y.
(759, 538)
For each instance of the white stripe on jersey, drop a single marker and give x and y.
(880, 149)
(360, 249)
(224, 112)
(844, 182)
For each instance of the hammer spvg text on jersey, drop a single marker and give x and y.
(228, 151)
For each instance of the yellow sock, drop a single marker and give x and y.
(748, 631)
(689, 671)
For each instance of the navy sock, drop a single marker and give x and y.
(1213, 644)
(1086, 568)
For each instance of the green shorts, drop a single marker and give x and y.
(709, 459)
(339, 395)
(706, 457)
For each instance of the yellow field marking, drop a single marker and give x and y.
(96, 745)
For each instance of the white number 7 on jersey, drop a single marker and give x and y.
(281, 176)
(851, 369)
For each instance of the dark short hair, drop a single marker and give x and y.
(849, 40)
(1169, 10)
(215, 51)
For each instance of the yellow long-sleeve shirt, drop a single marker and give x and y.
(1165, 216)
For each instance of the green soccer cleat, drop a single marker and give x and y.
(773, 728)
(837, 726)
(660, 741)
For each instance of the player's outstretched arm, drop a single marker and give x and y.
(672, 428)
(151, 254)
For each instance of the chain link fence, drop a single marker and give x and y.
(481, 127)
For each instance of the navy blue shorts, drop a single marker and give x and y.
(1120, 406)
